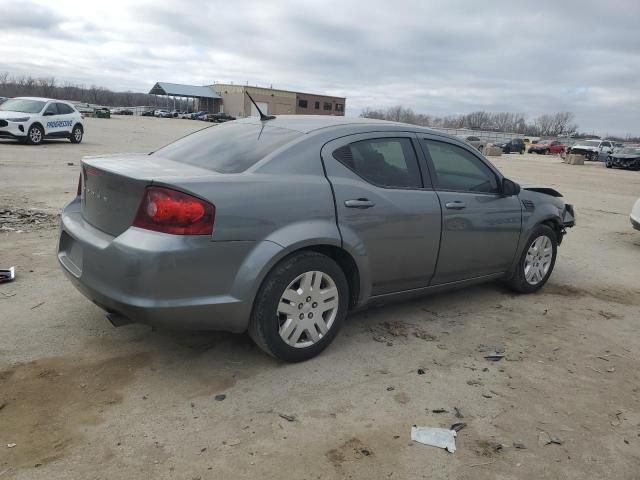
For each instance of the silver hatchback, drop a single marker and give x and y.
(281, 226)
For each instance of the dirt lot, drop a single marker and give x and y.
(81, 399)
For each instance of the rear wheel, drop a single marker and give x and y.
(300, 307)
(76, 134)
(537, 261)
(35, 135)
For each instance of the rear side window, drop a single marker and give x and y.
(386, 162)
(457, 169)
(64, 109)
(228, 148)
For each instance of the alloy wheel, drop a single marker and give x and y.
(35, 135)
(538, 260)
(77, 134)
(307, 309)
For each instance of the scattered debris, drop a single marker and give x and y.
(288, 418)
(70, 164)
(439, 410)
(20, 219)
(220, 397)
(545, 439)
(423, 335)
(37, 305)
(390, 389)
(11, 445)
(435, 437)
(609, 315)
(611, 370)
(494, 357)
(421, 371)
(3, 404)
(457, 412)
(458, 426)
(486, 395)
(7, 295)
(8, 274)
(231, 443)
(379, 338)
(519, 446)
(475, 383)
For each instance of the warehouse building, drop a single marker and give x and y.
(232, 99)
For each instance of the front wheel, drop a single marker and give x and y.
(76, 134)
(300, 307)
(537, 261)
(35, 135)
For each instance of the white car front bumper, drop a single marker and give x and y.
(13, 129)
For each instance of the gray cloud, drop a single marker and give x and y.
(438, 57)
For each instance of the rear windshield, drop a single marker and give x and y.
(228, 148)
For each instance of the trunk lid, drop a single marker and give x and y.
(113, 186)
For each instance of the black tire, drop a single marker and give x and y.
(264, 324)
(608, 163)
(33, 138)
(518, 281)
(522, 151)
(545, 152)
(76, 134)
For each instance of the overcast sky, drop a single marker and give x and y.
(437, 57)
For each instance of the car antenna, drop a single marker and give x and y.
(263, 117)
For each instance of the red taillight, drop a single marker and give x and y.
(169, 211)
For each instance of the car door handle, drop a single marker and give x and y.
(359, 203)
(455, 205)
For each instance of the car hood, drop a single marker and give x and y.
(584, 147)
(541, 189)
(626, 155)
(12, 114)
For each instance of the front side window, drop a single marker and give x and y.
(327, 106)
(386, 162)
(22, 105)
(458, 169)
(52, 109)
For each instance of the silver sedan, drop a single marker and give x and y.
(280, 226)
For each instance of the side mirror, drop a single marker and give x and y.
(510, 188)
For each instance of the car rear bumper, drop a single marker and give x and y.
(184, 282)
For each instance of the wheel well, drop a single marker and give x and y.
(556, 227)
(346, 263)
(38, 124)
(78, 125)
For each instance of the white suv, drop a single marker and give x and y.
(31, 120)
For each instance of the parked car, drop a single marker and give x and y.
(512, 146)
(162, 113)
(184, 115)
(197, 115)
(346, 213)
(635, 215)
(102, 113)
(219, 117)
(475, 141)
(147, 113)
(32, 119)
(124, 111)
(628, 157)
(592, 150)
(544, 147)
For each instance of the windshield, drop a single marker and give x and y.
(228, 148)
(22, 105)
(592, 143)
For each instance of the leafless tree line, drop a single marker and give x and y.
(17, 86)
(544, 125)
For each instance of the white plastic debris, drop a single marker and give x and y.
(11, 445)
(435, 437)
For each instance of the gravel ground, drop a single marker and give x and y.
(81, 399)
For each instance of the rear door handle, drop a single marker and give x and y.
(359, 203)
(455, 205)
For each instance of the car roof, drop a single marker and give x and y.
(43, 99)
(311, 123)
